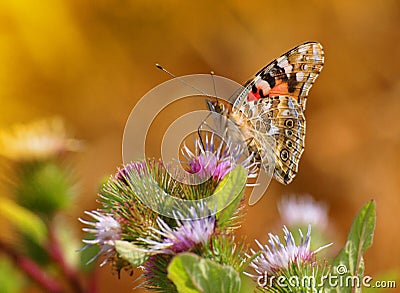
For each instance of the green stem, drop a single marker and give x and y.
(55, 252)
(32, 270)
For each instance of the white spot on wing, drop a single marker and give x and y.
(288, 69)
(303, 49)
(283, 63)
(273, 130)
(299, 76)
(315, 50)
(280, 59)
(290, 103)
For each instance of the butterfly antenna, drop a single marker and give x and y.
(182, 81)
(215, 88)
(197, 89)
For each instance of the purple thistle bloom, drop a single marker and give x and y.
(277, 256)
(186, 235)
(303, 210)
(208, 165)
(139, 167)
(106, 231)
(216, 160)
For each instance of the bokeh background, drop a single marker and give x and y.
(91, 61)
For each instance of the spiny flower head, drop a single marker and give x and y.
(106, 230)
(186, 234)
(278, 257)
(216, 159)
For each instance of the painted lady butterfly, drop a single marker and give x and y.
(269, 111)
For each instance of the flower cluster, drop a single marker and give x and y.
(176, 225)
(181, 235)
(133, 214)
(183, 242)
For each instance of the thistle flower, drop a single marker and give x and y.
(217, 159)
(161, 216)
(169, 239)
(106, 231)
(38, 140)
(303, 210)
(139, 167)
(288, 259)
(44, 185)
(184, 236)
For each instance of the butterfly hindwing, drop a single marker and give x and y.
(280, 121)
(289, 136)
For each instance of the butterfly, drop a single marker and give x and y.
(269, 109)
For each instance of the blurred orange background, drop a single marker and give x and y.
(91, 61)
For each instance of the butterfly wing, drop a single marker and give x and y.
(292, 74)
(274, 103)
(277, 126)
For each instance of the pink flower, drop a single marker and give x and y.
(106, 231)
(277, 256)
(216, 160)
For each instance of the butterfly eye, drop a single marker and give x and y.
(216, 108)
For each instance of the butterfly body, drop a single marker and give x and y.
(269, 111)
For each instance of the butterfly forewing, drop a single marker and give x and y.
(270, 108)
(291, 74)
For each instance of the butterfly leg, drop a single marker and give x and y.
(200, 129)
(199, 134)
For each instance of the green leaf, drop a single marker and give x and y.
(360, 238)
(24, 220)
(247, 284)
(130, 253)
(193, 274)
(229, 193)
